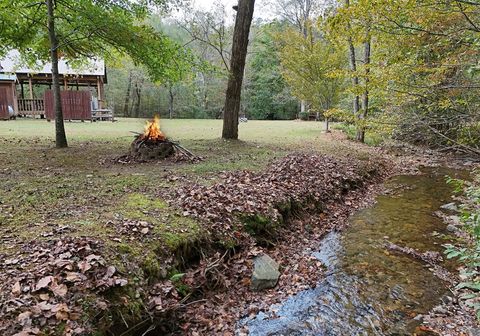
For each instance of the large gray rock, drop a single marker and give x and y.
(265, 273)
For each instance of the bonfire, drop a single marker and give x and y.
(153, 144)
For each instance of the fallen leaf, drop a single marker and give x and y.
(84, 266)
(24, 318)
(59, 289)
(110, 271)
(43, 282)
(16, 288)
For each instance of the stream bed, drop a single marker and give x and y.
(366, 289)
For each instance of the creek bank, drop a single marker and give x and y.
(455, 315)
(79, 285)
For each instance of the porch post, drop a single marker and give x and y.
(15, 98)
(65, 83)
(100, 92)
(30, 87)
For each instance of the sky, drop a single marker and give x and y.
(260, 11)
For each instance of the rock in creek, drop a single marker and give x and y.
(265, 273)
(450, 207)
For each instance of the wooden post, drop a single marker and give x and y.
(65, 83)
(21, 90)
(30, 87)
(100, 92)
(15, 98)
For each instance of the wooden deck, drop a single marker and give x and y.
(76, 106)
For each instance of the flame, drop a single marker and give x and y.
(152, 130)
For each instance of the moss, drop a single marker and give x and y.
(136, 200)
(259, 226)
(152, 267)
(124, 248)
(228, 243)
(178, 231)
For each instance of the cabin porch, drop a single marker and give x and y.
(32, 102)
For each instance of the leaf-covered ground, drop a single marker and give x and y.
(89, 246)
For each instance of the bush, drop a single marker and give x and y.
(303, 115)
(468, 250)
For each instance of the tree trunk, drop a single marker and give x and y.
(366, 60)
(205, 92)
(303, 106)
(126, 112)
(237, 67)
(353, 68)
(60, 136)
(171, 97)
(138, 93)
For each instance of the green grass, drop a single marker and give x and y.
(177, 129)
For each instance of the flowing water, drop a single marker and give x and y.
(368, 290)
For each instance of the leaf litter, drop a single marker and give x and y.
(301, 195)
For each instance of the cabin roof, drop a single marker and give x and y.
(12, 64)
(10, 78)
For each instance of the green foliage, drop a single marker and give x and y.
(268, 96)
(468, 253)
(87, 28)
(424, 67)
(309, 65)
(372, 138)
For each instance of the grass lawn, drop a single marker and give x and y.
(178, 129)
(42, 187)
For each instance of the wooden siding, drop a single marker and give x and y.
(76, 105)
(7, 98)
(4, 103)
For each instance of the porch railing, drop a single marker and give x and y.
(31, 106)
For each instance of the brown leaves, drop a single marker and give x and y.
(60, 272)
(314, 183)
(61, 311)
(307, 180)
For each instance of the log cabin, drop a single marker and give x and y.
(25, 90)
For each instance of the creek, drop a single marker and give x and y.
(366, 289)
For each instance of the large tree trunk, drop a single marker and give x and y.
(363, 114)
(237, 67)
(126, 111)
(60, 136)
(353, 67)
